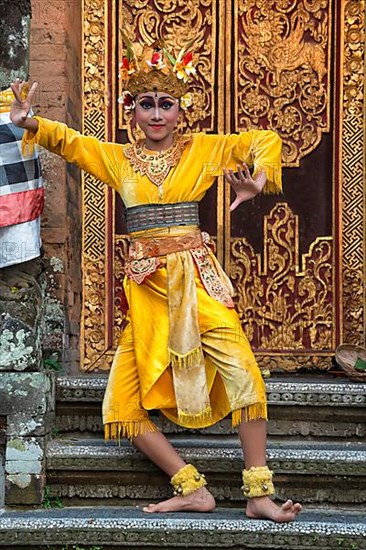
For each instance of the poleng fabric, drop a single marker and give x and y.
(21, 188)
(21, 193)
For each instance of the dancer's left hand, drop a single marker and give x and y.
(244, 185)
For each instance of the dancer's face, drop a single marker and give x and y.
(157, 114)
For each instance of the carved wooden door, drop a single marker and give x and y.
(296, 260)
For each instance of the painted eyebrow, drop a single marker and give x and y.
(159, 98)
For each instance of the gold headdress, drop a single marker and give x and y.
(154, 68)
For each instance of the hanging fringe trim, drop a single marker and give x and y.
(29, 142)
(187, 361)
(198, 420)
(128, 429)
(258, 411)
(273, 184)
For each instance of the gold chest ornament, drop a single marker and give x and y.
(155, 166)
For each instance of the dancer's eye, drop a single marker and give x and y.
(146, 103)
(167, 104)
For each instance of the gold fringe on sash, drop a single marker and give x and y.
(257, 411)
(196, 420)
(128, 429)
(186, 361)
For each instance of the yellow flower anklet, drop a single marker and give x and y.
(187, 480)
(257, 482)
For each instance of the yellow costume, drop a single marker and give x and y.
(142, 377)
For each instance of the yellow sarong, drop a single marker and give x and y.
(142, 377)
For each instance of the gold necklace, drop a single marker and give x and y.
(155, 166)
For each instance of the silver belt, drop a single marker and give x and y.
(151, 216)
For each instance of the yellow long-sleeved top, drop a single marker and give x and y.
(201, 162)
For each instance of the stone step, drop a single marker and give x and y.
(110, 528)
(311, 407)
(82, 469)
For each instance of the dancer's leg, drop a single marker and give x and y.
(228, 348)
(124, 415)
(160, 451)
(253, 437)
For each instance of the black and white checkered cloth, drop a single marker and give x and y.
(21, 197)
(17, 174)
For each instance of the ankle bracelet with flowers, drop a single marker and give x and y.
(187, 480)
(257, 482)
(153, 68)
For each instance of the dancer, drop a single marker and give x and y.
(182, 350)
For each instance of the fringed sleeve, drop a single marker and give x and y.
(100, 159)
(265, 151)
(259, 149)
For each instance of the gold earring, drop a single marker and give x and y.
(138, 133)
(134, 132)
(180, 128)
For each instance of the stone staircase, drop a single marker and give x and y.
(316, 448)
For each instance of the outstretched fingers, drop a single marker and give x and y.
(235, 204)
(230, 177)
(15, 86)
(32, 91)
(244, 173)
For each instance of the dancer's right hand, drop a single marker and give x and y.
(20, 108)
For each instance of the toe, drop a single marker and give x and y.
(150, 508)
(287, 505)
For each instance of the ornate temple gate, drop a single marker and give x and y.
(297, 260)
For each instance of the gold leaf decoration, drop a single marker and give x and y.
(93, 326)
(293, 363)
(352, 153)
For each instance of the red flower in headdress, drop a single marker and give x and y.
(124, 67)
(187, 58)
(157, 61)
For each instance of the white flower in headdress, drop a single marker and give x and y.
(127, 100)
(186, 101)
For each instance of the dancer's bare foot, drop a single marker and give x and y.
(265, 508)
(199, 501)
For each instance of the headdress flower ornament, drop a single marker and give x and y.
(153, 67)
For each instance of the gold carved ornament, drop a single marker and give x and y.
(94, 55)
(94, 324)
(282, 68)
(352, 148)
(284, 306)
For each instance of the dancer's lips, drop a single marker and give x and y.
(156, 126)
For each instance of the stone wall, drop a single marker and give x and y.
(40, 303)
(27, 401)
(55, 64)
